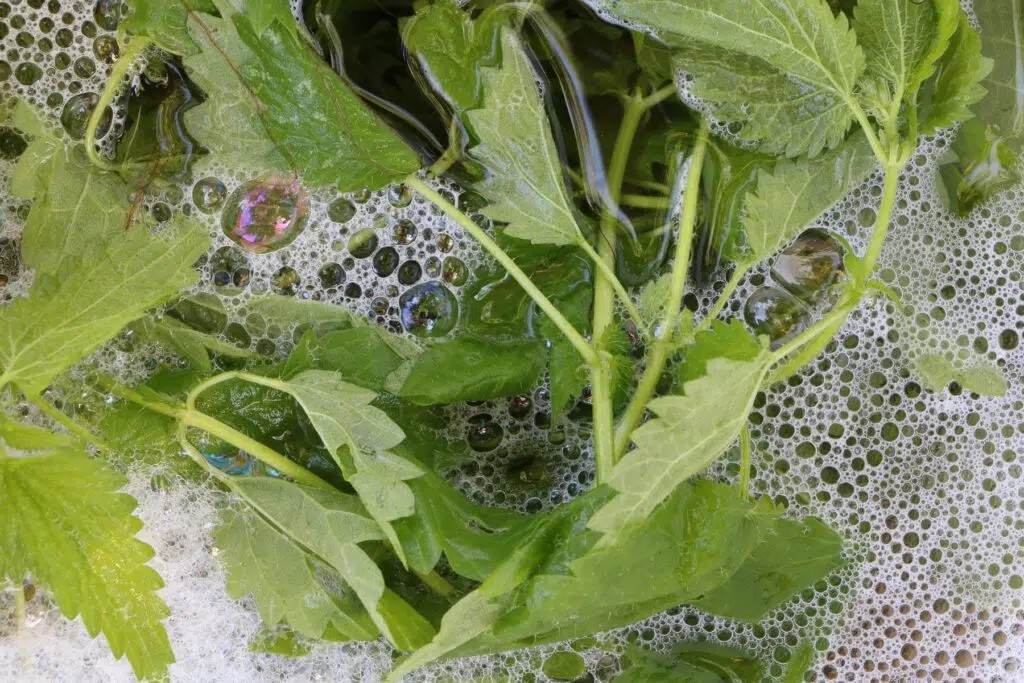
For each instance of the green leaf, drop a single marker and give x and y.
(795, 193)
(65, 523)
(450, 48)
(63, 319)
(285, 310)
(784, 69)
(286, 584)
(137, 434)
(983, 378)
(194, 346)
(258, 83)
(25, 437)
(564, 666)
(568, 374)
(1002, 36)
(263, 13)
(958, 80)
(731, 340)
(786, 562)
(691, 663)
(466, 369)
(903, 40)
(359, 436)
(688, 434)
(165, 22)
(369, 357)
(524, 183)
(331, 525)
(78, 209)
(27, 178)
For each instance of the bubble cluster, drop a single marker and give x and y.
(927, 487)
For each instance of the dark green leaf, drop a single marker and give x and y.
(957, 85)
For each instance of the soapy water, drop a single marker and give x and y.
(925, 486)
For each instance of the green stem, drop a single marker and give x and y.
(642, 201)
(744, 483)
(734, 281)
(20, 612)
(65, 421)
(118, 72)
(510, 266)
(437, 583)
(121, 391)
(609, 273)
(604, 291)
(885, 209)
(814, 331)
(659, 96)
(268, 456)
(663, 345)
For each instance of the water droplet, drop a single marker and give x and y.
(341, 210)
(361, 196)
(520, 406)
(455, 271)
(385, 261)
(429, 310)
(12, 144)
(84, 67)
(363, 243)
(286, 281)
(404, 232)
(399, 196)
(331, 275)
(75, 116)
(27, 73)
(106, 49)
(107, 14)
(409, 273)
(230, 270)
(776, 313)
(484, 433)
(209, 194)
(266, 215)
(811, 265)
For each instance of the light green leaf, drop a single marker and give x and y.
(64, 319)
(800, 62)
(26, 180)
(796, 192)
(273, 103)
(367, 356)
(786, 562)
(653, 300)
(25, 437)
(1002, 36)
(730, 340)
(935, 370)
(983, 378)
(331, 525)
(688, 434)
(467, 369)
(192, 345)
(958, 80)
(451, 47)
(903, 40)
(263, 13)
(524, 181)
(165, 22)
(65, 523)
(358, 436)
(285, 582)
(285, 310)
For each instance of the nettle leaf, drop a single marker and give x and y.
(25, 437)
(792, 62)
(285, 581)
(524, 184)
(77, 210)
(796, 192)
(1002, 36)
(688, 434)
(692, 663)
(27, 178)
(731, 340)
(903, 40)
(65, 523)
(165, 22)
(369, 357)
(194, 346)
(467, 369)
(64, 319)
(450, 48)
(359, 437)
(273, 103)
(331, 525)
(794, 557)
(958, 80)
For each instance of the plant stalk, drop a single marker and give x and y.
(744, 483)
(604, 291)
(122, 66)
(510, 266)
(57, 416)
(662, 346)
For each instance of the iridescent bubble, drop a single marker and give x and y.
(385, 261)
(209, 194)
(811, 265)
(776, 313)
(266, 215)
(227, 458)
(77, 111)
(484, 433)
(363, 243)
(428, 310)
(341, 210)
